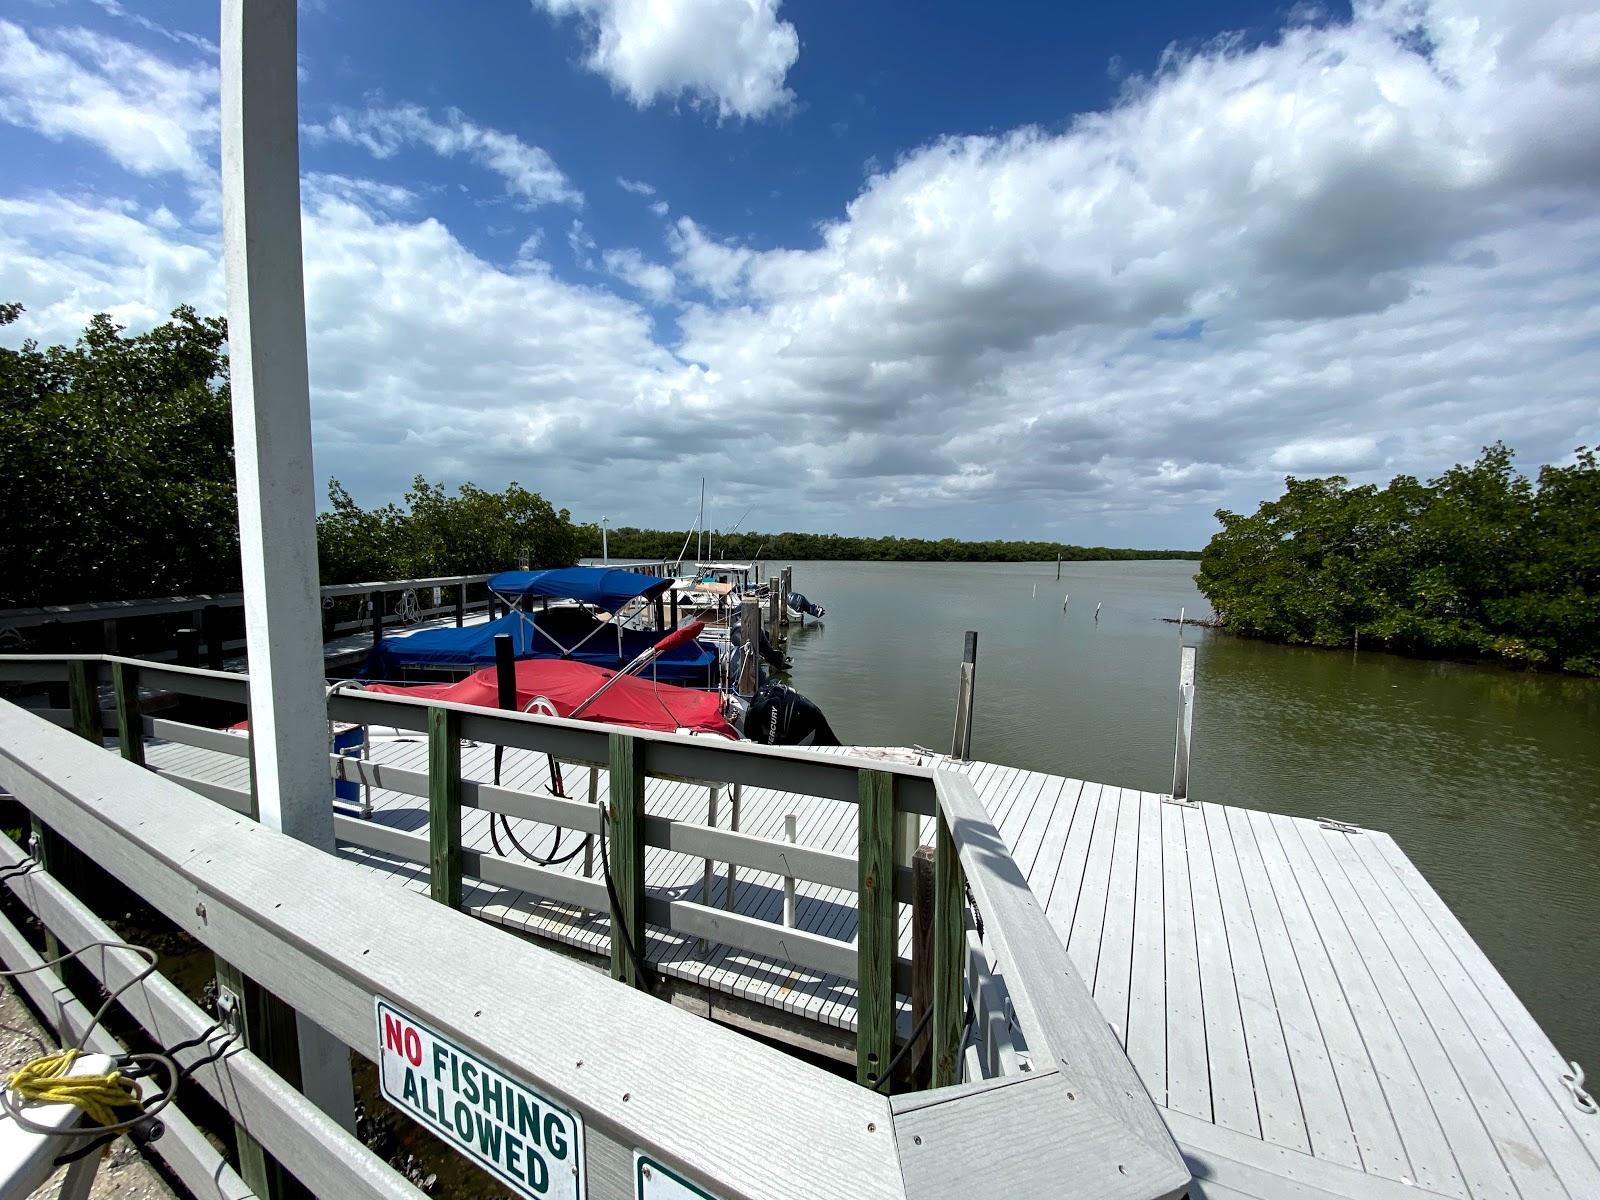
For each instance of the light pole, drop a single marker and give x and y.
(605, 553)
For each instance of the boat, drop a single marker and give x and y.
(776, 716)
(800, 608)
(595, 627)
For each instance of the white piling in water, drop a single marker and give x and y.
(1064, 600)
(1180, 756)
(1097, 611)
(1181, 611)
(1036, 591)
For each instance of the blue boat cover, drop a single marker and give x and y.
(608, 587)
(551, 634)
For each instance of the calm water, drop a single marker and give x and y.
(1490, 781)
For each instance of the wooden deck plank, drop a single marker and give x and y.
(1535, 1143)
(1233, 1095)
(1114, 962)
(1089, 909)
(1277, 1099)
(1459, 1158)
(1376, 1135)
(1327, 1119)
(1188, 1072)
(1428, 1157)
(1146, 1031)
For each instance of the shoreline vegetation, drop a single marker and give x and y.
(655, 545)
(1480, 564)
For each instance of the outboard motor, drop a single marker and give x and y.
(781, 716)
(799, 604)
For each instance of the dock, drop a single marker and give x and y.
(1303, 1009)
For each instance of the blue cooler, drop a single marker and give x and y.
(347, 740)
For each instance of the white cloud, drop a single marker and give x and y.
(650, 278)
(529, 172)
(636, 186)
(717, 267)
(114, 8)
(727, 55)
(150, 115)
(1328, 254)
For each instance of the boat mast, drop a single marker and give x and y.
(700, 527)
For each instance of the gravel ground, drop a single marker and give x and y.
(123, 1172)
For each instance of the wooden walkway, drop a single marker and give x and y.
(1310, 1017)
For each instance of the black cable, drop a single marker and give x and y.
(916, 1034)
(552, 861)
(646, 972)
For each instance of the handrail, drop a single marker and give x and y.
(1076, 1093)
(106, 610)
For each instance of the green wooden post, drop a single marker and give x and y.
(625, 849)
(876, 940)
(83, 680)
(444, 806)
(130, 725)
(949, 957)
(268, 1028)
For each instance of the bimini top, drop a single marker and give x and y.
(607, 587)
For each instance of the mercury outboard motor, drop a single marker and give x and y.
(781, 716)
(800, 604)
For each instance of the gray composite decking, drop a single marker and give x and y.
(1309, 1016)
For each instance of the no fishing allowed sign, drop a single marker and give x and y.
(528, 1142)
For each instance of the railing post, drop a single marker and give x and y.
(444, 806)
(130, 725)
(949, 957)
(735, 799)
(788, 880)
(268, 1028)
(188, 645)
(876, 933)
(961, 740)
(1180, 755)
(461, 605)
(211, 631)
(922, 918)
(626, 857)
(83, 692)
(375, 599)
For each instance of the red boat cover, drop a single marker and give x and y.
(641, 703)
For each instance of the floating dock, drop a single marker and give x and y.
(1304, 1010)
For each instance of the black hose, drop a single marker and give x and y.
(646, 972)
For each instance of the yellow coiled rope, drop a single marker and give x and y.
(45, 1080)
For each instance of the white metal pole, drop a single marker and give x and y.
(272, 456)
(605, 552)
(1180, 756)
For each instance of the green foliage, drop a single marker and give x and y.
(439, 534)
(118, 478)
(628, 542)
(1478, 563)
(118, 481)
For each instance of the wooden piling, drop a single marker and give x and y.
(188, 646)
(949, 959)
(750, 631)
(626, 856)
(922, 919)
(876, 933)
(961, 739)
(444, 806)
(130, 724)
(375, 599)
(211, 632)
(268, 1029)
(461, 605)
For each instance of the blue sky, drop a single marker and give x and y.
(1007, 270)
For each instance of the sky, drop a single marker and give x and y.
(932, 269)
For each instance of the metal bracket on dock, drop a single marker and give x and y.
(1180, 801)
(1574, 1081)
(1338, 826)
